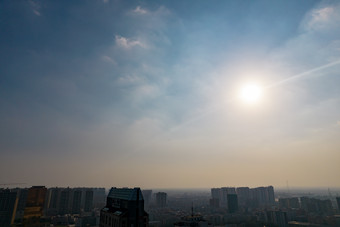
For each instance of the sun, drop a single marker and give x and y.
(251, 93)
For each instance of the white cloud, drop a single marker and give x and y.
(128, 43)
(322, 18)
(139, 10)
(316, 44)
(109, 60)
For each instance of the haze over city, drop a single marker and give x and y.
(170, 94)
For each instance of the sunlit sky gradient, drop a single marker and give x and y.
(144, 93)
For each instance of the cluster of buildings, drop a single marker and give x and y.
(320, 212)
(127, 207)
(242, 196)
(310, 205)
(38, 205)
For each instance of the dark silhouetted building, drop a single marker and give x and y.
(318, 206)
(278, 218)
(215, 203)
(338, 202)
(289, 203)
(232, 203)
(193, 221)
(62, 201)
(34, 206)
(22, 197)
(147, 195)
(124, 207)
(53, 201)
(88, 201)
(76, 204)
(243, 195)
(65, 201)
(161, 199)
(252, 197)
(8, 205)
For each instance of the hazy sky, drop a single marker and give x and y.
(144, 93)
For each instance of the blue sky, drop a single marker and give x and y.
(98, 90)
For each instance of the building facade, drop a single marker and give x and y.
(124, 208)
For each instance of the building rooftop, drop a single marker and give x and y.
(126, 194)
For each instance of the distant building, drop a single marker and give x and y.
(232, 203)
(252, 197)
(61, 201)
(22, 197)
(88, 201)
(65, 201)
(214, 203)
(289, 203)
(243, 195)
(34, 206)
(216, 193)
(278, 218)
(76, 204)
(318, 206)
(99, 197)
(8, 206)
(147, 195)
(161, 199)
(222, 194)
(53, 195)
(193, 220)
(124, 207)
(338, 202)
(262, 196)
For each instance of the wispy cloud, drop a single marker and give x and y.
(105, 1)
(128, 43)
(109, 60)
(140, 10)
(35, 7)
(322, 18)
(129, 79)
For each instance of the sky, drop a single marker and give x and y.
(145, 93)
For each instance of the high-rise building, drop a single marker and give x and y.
(76, 204)
(124, 207)
(53, 201)
(147, 195)
(262, 196)
(216, 193)
(22, 197)
(338, 202)
(243, 195)
(214, 203)
(161, 199)
(232, 203)
(289, 203)
(222, 194)
(65, 201)
(34, 206)
(313, 205)
(277, 218)
(99, 197)
(8, 206)
(88, 200)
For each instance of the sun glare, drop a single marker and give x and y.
(251, 93)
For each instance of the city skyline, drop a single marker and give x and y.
(146, 93)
